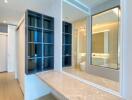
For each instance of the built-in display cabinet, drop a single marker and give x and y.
(67, 44)
(39, 42)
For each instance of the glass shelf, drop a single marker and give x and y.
(49, 30)
(34, 65)
(48, 56)
(34, 35)
(48, 50)
(48, 37)
(34, 50)
(33, 27)
(48, 63)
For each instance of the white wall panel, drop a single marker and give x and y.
(11, 48)
(126, 49)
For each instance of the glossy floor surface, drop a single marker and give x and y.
(93, 78)
(9, 87)
(47, 97)
(73, 89)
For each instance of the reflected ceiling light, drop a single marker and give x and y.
(6, 1)
(67, 17)
(116, 11)
(103, 25)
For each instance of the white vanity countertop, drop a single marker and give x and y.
(73, 89)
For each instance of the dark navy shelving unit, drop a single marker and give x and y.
(39, 42)
(67, 45)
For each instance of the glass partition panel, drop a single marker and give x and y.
(105, 28)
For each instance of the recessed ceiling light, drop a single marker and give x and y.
(6, 1)
(4, 21)
(67, 17)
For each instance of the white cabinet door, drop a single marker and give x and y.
(3, 52)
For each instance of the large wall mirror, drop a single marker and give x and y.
(105, 29)
(77, 47)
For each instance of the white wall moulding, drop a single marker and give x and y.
(21, 54)
(77, 4)
(126, 48)
(89, 39)
(58, 34)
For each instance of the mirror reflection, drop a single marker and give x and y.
(105, 29)
(86, 54)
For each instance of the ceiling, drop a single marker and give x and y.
(93, 3)
(71, 13)
(106, 17)
(12, 11)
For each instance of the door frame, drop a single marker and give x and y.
(5, 34)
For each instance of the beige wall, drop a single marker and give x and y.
(113, 39)
(21, 54)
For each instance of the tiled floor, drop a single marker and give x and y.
(9, 87)
(73, 89)
(47, 97)
(93, 78)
